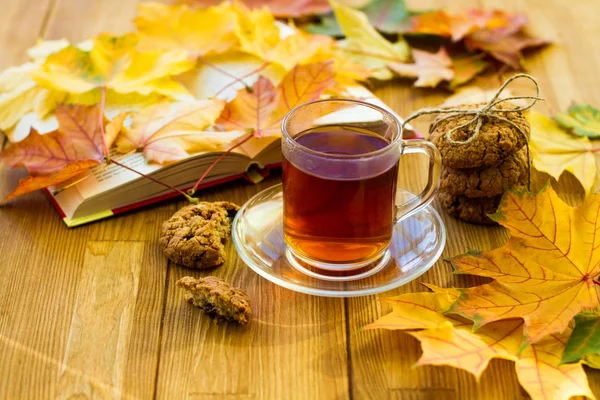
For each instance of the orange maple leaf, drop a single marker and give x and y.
(32, 183)
(545, 274)
(448, 339)
(457, 26)
(59, 155)
(77, 138)
(262, 108)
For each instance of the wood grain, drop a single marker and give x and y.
(294, 348)
(93, 312)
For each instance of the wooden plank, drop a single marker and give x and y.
(21, 23)
(80, 20)
(104, 314)
(294, 348)
(56, 335)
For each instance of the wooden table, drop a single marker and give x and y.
(94, 311)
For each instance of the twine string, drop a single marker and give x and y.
(487, 111)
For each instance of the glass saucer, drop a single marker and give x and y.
(257, 232)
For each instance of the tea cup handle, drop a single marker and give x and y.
(415, 204)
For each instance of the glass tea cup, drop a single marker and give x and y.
(340, 168)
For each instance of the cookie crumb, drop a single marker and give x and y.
(195, 236)
(217, 298)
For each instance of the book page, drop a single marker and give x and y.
(106, 177)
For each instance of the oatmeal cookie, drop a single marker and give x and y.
(195, 235)
(486, 182)
(470, 210)
(497, 140)
(217, 298)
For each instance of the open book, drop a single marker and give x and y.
(108, 190)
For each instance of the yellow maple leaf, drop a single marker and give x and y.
(545, 273)
(43, 48)
(259, 34)
(179, 27)
(114, 63)
(448, 339)
(20, 95)
(222, 75)
(365, 46)
(168, 132)
(555, 151)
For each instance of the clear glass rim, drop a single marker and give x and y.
(390, 145)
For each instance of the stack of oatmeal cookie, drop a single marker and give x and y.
(476, 174)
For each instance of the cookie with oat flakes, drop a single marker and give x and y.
(496, 141)
(470, 210)
(217, 298)
(486, 182)
(195, 236)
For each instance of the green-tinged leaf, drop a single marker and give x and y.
(327, 26)
(365, 46)
(386, 15)
(585, 338)
(582, 120)
(555, 151)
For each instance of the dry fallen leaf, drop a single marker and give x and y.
(78, 138)
(168, 132)
(364, 45)
(505, 43)
(546, 272)
(179, 27)
(457, 26)
(58, 155)
(430, 68)
(114, 63)
(554, 151)
(33, 183)
(448, 339)
(262, 108)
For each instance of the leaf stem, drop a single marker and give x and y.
(102, 105)
(190, 199)
(192, 191)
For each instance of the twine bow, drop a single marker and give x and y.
(488, 111)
